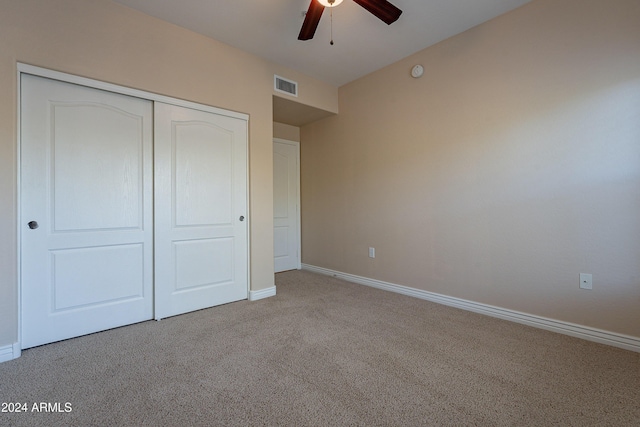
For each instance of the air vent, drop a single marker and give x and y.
(283, 85)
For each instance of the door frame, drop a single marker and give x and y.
(122, 90)
(296, 144)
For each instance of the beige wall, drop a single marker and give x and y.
(102, 40)
(284, 131)
(509, 168)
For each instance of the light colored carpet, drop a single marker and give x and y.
(325, 352)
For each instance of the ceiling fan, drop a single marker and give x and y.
(382, 9)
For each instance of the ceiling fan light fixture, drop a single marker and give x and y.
(329, 3)
(381, 9)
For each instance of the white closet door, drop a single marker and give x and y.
(200, 210)
(86, 214)
(286, 239)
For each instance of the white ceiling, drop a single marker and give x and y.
(363, 44)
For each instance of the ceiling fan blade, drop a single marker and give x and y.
(311, 19)
(382, 9)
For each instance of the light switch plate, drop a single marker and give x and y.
(586, 281)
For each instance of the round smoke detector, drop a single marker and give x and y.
(417, 71)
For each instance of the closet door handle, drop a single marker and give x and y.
(33, 225)
(241, 218)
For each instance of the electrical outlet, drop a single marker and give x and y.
(586, 281)
(372, 252)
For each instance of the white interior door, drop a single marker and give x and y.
(200, 209)
(86, 214)
(286, 195)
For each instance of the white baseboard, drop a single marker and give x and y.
(262, 293)
(9, 352)
(597, 335)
